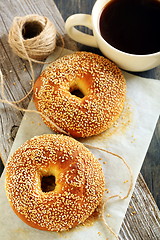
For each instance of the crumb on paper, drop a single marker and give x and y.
(133, 213)
(104, 162)
(99, 233)
(125, 181)
(108, 215)
(32, 122)
(115, 124)
(14, 83)
(126, 123)
(99, 158)
(133, 138)
(39, 124)
(107, 190)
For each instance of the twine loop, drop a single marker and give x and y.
(36, 33)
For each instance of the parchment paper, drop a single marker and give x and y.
(129, 137)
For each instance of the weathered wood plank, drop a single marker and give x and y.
(15, 70)
(142, 220)
(151, 167)
(10, 119)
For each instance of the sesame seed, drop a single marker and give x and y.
(79, 182)
(100, 81)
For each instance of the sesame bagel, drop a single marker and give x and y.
(99, 80)
(53, 182)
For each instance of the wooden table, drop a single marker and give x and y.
(145, 223)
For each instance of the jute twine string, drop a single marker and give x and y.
(4, 100)
(35, 49)
(106, 224)
(117, 195)
(125, 163)
(37, 33)
(37, 46)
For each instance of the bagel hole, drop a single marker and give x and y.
(76, 92)
(48, 183)
(31, 29)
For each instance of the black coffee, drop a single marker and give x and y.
(132, 26)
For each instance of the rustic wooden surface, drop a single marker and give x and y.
(144, 223)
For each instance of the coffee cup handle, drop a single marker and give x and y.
(80, 20)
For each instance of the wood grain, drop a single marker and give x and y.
(145, 224)
(142, 220)
(16, 71)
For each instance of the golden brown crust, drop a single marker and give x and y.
(102, 84)
(79, 182)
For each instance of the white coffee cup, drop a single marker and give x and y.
(126, 61)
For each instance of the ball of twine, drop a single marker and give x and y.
(32, 36)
